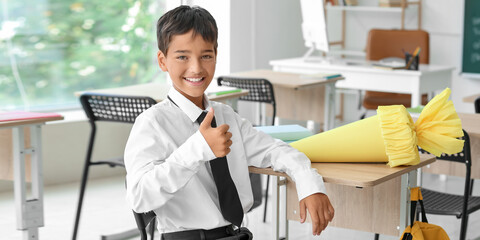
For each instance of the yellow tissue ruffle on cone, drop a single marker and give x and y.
(438, 126)
(360, 141)
(390, 136)
(398, 132)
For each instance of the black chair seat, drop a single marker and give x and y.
(448, 204)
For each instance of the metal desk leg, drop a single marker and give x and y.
(409, 180)
(329, 115)
(233, 103)
(29, 211)
(276, 206)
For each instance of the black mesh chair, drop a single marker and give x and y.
(107, 108)
(259, 90)
(451, 204)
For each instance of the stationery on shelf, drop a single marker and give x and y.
(221, 90)
(391, 63)
(19, 116)
(387, 67)
(322, 76)
(286, 133)
(414, 55)
(390, 3)
(343, 2)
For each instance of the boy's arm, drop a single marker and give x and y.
(156, 169)
(264, 151)
(320, 209)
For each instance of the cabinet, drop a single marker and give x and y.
(405, 4)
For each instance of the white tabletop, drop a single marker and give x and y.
(341, 65)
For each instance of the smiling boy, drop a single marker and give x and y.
(194, 174)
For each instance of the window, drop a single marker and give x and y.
(50, 49)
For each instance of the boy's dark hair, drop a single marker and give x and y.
(183, 19)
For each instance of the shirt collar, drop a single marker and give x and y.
(189, 108)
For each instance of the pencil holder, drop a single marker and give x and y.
(414, 64)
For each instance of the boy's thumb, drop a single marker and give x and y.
(207, 121)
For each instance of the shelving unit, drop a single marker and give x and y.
(404, 5)
(365, 8)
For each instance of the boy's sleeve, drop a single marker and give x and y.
(156, 169)
(265, 151)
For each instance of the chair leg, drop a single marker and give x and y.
(463, 227)
(471, 186)
(80, 200)
(152, 229)
(266, 199)
(377, 236)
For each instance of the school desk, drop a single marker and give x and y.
(27, 155)
(361, 75)
(159, 91)
(300, 96)
(371, 197)
(471, 124)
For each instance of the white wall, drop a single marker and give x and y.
(443, 19)
(277, 31)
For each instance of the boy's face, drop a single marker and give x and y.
(190, 62)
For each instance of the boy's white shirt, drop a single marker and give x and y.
(168, 170)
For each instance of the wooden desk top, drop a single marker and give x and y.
(287, 80)
(470, 122)
(33, 120)
(157, 91)
(471, 98)
(356, 174)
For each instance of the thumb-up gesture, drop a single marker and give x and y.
(218, 138)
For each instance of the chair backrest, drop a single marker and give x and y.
(143, 220)
(384, 43)
(462, 157)
(259, 90)
(477, 105)
(114, 108)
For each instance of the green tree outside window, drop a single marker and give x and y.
(50, 49)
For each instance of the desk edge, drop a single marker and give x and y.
(428, 160)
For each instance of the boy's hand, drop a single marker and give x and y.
(218, 138)
(320, 209)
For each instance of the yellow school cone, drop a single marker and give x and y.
(390, 136)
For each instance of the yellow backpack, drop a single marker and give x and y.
(421, 230)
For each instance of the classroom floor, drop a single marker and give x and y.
(105, 212)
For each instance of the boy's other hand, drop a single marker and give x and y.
(320, 209)
(218, 138)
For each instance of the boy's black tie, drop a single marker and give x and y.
(230, 204)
